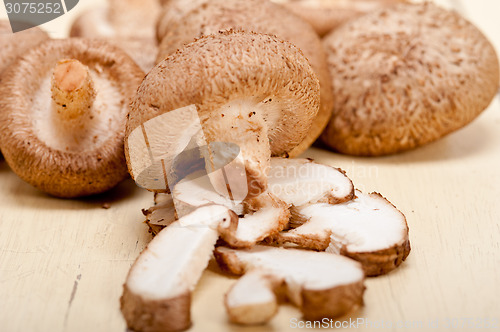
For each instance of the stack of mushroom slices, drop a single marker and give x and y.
(307, 206)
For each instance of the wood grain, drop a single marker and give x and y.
(63, 262)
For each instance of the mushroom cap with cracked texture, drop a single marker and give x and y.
(406, 76)
(31, 138)
(261, 16)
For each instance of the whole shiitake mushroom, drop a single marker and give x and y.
(406, 76)
(204, 17)
(63, 112)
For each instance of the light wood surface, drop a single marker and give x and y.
(63, 262)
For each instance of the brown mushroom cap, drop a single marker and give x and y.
(256, 16)
(252, 90)
(406, 76)
(12, 45)
(172, 12)
(34, 143)
(128, 24)
(327, 15)
(120, 18)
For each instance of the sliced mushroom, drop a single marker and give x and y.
(327, 15)
(401, 81)
(263, 99)
(264, 216)
(128, 24)
(161, 214)
(322, 285)
(197, 18)
(260, 217)
(64, 107)
(157, 292)
(293, 183)
(298, 182)
(195, 191)
(368, 229)
(252, 299)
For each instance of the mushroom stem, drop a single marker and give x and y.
(72, 90)
(73, 96)
(241, 123)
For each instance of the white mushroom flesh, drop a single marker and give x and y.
(265, 215)
(252, 299)
(173, 262)
(196, 190)
(271, 216)
(300, 181)
(249, 124)
(368, 223)
(95, 126)
(258, 225)
(300, 268)
(252, 288)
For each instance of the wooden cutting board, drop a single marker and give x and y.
(63, 262)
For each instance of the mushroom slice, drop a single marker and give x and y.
(197, 18)
(265, 216)
(327, 15)
(262, 99)
(368, 229)
(196, 190)
(260, 218)
(320, 284)
(64, 108)
(252, 299)
(161, 214)
(298, 182)
(425, 80)
(157, 292)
